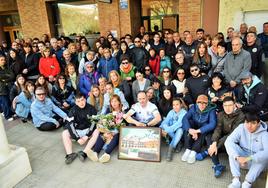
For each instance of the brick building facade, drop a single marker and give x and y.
(36, 16)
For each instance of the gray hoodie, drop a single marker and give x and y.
(254, 144)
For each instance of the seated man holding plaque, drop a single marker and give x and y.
(143, 113)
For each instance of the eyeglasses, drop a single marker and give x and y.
(40, 94)
(124, 63)
(181, 73)
(205, 103)
(165, 71)
(61, 78)
(147, 69)
(137, 41)
(90, 67)
(194, 70)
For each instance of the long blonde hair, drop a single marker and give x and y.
(92, 99)
(118, 82)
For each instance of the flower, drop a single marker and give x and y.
(107, 123)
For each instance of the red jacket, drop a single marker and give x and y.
(155, 65)
(49, 66)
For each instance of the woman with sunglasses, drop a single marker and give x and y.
(62, 94)
(165, 77)
(178, 82)
(127, 69)
(88, 79)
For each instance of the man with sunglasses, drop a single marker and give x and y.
(199, 122)
(46, 115)
(197, 84)
(140, 55)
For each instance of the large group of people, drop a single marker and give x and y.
(207, 93)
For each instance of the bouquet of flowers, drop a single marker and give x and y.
(107, 123)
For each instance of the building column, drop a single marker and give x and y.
(14, 161)
(4, 148)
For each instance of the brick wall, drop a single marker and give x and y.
(8, 5)
(33, 16)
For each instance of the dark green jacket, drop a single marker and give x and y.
(225, 126)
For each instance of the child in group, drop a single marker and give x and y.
(96, 98)
(172, 125)
(72, 77)
(24, 101)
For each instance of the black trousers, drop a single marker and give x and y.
(48, 126)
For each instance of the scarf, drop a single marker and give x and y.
(126, 70)
(73, 79)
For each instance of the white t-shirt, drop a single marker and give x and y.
(146, 114)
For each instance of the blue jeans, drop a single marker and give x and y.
(176, 137)
(5, 105)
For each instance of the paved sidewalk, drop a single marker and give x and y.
(46, 153)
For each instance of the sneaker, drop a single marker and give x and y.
(24, 120)
(202, 155)
(82, 156)
(246, 184)
(185, 155)
(70, 158)
(179, 147)
(10, 119)
(218, 169)
(191, 157)
(92, 155)
(169, 153)
(235, 183)
(104, 158)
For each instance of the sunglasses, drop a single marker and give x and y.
(143, 42)
(194, 70)
(202, 103)
(165, 71)
(124, 63)
(180, 73)
(40, 94)
(147, 69)
(137, 41)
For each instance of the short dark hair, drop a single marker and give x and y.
(200, 30)
(265, 23)
(79, 96)
(194, 65)
(228, 98)
(141, 91)
(222, 44)
(252, 116)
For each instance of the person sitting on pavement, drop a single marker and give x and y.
(146, 113)
(253, 95)
(107, 140)
(227, 121)
(247, 148)
(43, 112)
(198, 123)
(172, 125)
(79, 128)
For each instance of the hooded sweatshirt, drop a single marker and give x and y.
(205, 120)
(253, 144)
(254, 97)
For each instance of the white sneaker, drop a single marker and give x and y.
(104, 158)
(191, 158)
(92, 155)
(245, 184)
(235, 183)
(10, 119)
(185, 155)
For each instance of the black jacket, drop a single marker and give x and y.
(140, 57)
(6, 77)
(256, 99)
(257, 58)
(81, 120)
(31, 64)
(196, 86)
